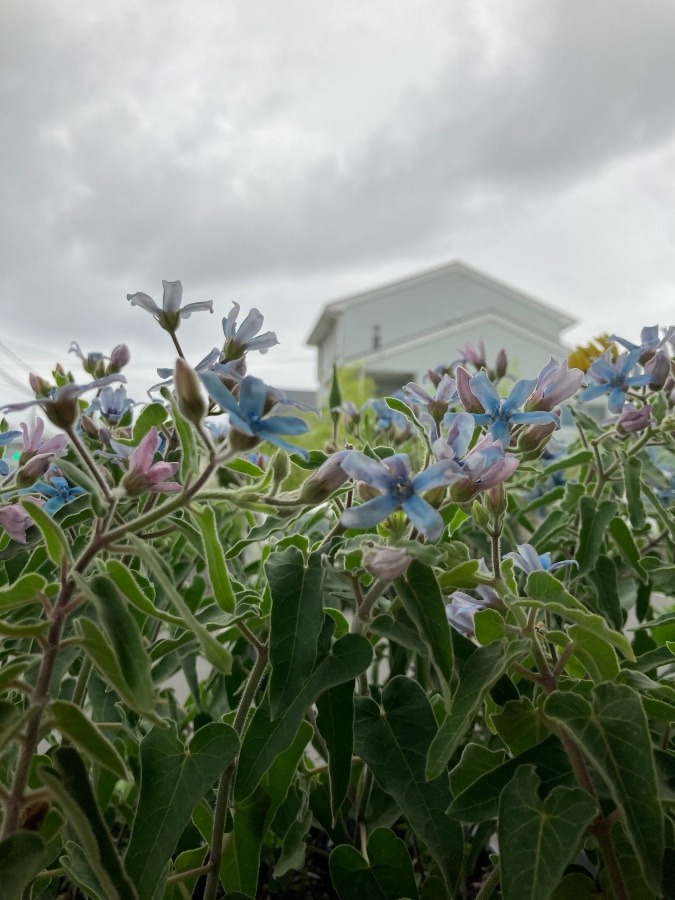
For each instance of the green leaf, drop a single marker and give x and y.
(480, 672)
(548, 593)
(520, 725)
(393, 742)
(554, 522)
(538, 838)
(124, 637)
(23, 591)
(82, 479)
(605, 579)
(626, 544)
(479, 802)
(613, 733)
(74, 725)
(253, 816)
(10, 671)
(125, 579)
(464, 575)
(12, 718)
(595, 517)
(68, 782)
(215, 559)
(489, 626)
(189, 455)
(598, 658)
(476, 761)
(386, 875)
(97, 647)
(56, 541)
(22, 856)
(265, 738)
(422, 600)
(218, 655)
(632, 474)
(153, 414)
(295, 622)
(173, 780)
(31, 628)
(80, 872)
(335, 721)
(580, 458)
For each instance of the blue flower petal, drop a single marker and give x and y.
(500, 432)
(218, 392)
(616, 401)
(4, 468)
(438, 474)
(427, 520)
(592, 392)
(363, 468)
(282, 425)
(485, 392)
(369, 514)
(284, 445)
(520, 391)
(241, 425)
(534, 418)
(399, 466)
(8, 436)
(252, 396)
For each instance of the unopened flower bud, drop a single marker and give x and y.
(658, 368)
(501, 364)
(469, 401)
(119, 358)
(191, 401)
(33, 470)
(496, 500)
(39, 386)
(325, 480)
(533, 440)
(90, 427)
(281, 467)
(365, 491)
(479, 514)
(387, 562)
(632, 420)
(241, 442)
(62, 409)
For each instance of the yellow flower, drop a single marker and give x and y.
(582, 356)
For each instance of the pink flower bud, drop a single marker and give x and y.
(501, 364)
(325, 480)
(387, 562)
(632, 420)
(119, 358)
(659, 369)
(469, 401)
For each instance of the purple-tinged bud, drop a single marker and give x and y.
(90, 427)
(501, 364)
(39, 386)
(533, 440)
(555, 383)
(632, 420)
(119, 358)
(325, 480)
(469, 401)
(365, 491)
(62, 409)
(659, 369)
(495, 500)
(242, 443)
(191, 401)
(33, 470)
(387, 562)
(434, 377)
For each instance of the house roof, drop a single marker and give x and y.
(483, 318)
(332, 310)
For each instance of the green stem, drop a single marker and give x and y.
(489, 885)
(218, 836)
(86, 458)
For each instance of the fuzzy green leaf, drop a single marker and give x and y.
(537, 838)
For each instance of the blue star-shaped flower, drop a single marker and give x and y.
(614, 378)
(501, 413)
(247, 413)
(399, 489)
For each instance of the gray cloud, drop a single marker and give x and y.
(287, 154)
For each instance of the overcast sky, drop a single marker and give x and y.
(284, 154)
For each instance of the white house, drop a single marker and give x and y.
(398, 331)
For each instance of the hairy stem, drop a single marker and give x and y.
(218, 836)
